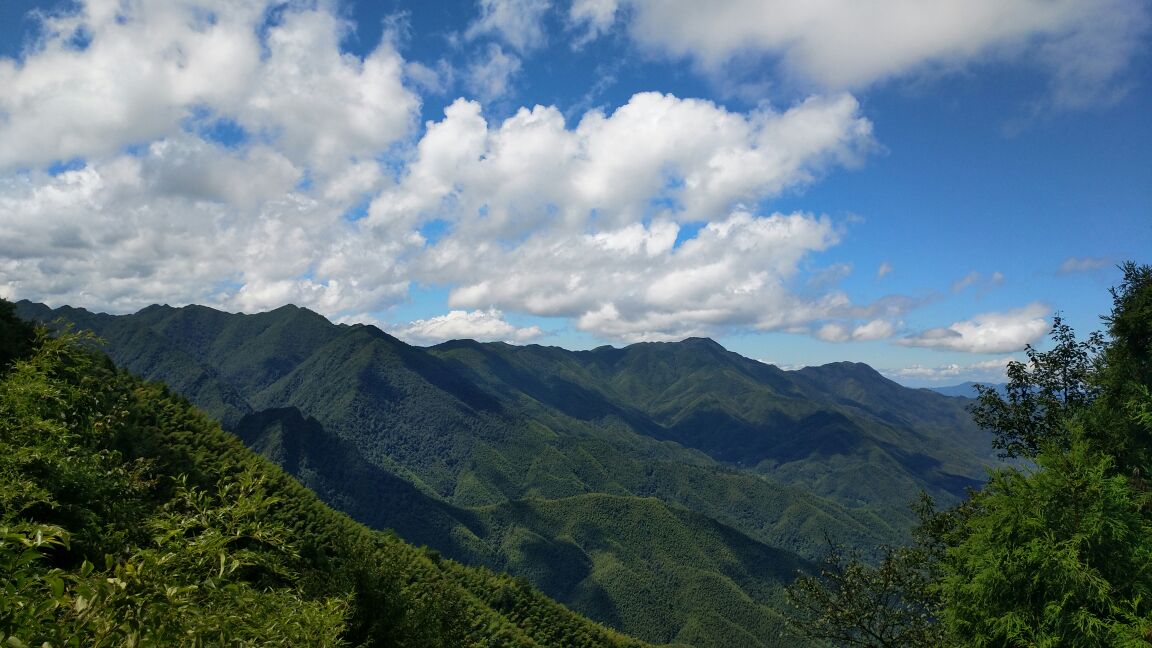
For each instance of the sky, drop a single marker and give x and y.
(921, 185)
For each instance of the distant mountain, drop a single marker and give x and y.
(668, 489)
(129, 518)
(965, 389)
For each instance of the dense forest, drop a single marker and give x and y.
(128, 518)
(1056, 549)
(667, 490)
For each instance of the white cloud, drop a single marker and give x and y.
(152, 65)
(483, 325)
(877, 329)
(594, 17)
(435, 80)
(1086, 44)
(632, 284)
(588, 221)
(987, 333)
(518, 23)
(185, 222)
(967, 280)
(984, 371)
(143, 68)
(180, 218)
(884, 270)
(1087, 59)
(1073, 265)
(685, 158)
(540, 221)
(321, 106)
(491, 77)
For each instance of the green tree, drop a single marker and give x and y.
(1060, 553)
(1056, 556)
(1126, 374)
(16, 336)
(1055, 553)
(894, 602)
(1042, 394)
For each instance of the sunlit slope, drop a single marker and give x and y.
(460, 446)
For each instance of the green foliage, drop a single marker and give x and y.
(16, 336)
(1057, 553)
(1042, 394)
(127, 518)
(1058, 556)
(1127, 373)
(890, 602)
(463, 446)
(1062, 554)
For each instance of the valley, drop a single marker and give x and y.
(669, 490)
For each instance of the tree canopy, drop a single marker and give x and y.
(1055, 551)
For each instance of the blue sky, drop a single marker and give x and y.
(918, 186)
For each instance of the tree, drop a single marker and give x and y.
(16, 335)
(895, 603)
(1057, 556)
(1054, 553)
(1060, 553)
(1126, 374)
(1042, 394)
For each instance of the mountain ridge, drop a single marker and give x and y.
(469, 438)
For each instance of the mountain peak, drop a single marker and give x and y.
(847, 369)
(702, 342)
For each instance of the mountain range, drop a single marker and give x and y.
(669, 490)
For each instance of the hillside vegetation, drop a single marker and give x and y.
(507, 456)
(129, 518)
(1053, 551)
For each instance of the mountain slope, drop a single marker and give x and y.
(460, 446)
(200, 540)
(844, 422)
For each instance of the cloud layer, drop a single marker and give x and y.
(1085, 45)
(988, 333)
(482, 325)
(199, 174)
(233, 153)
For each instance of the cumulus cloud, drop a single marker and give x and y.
(153, 208)
(987, 333)
(491, 77)
(585, 222)
(1073, 265)
(519, 23)
(593, 17)
(635, 223)
(186, 221)
(483, 325)
(687, 159)
(149, 66)
(306, 81)
(632, 283)
(1086, 44)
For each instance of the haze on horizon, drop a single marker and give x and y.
(916, 186)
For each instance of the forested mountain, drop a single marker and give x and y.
(667, 489)
(128, 518)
